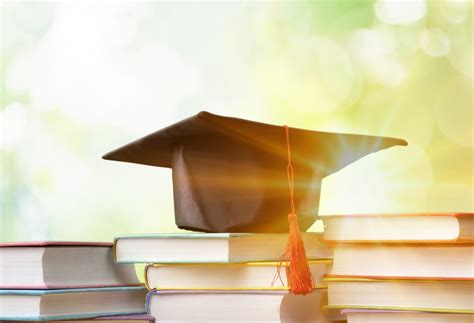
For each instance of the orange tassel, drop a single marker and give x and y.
(300, 279)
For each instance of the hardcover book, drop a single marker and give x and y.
(447, 295)
(404, 260)
(239, 306)
(381, 316)
(211, 248)
(133, 318)
(67, 304)
(48, 265)
(257, 276)
(405, 227)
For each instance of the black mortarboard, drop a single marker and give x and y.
(230, 175)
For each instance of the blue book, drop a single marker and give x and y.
(65, 304)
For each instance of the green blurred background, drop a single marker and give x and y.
(81, 78)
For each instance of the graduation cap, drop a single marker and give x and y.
(233, 175)
(229, 174)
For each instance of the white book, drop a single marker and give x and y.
(46, 265)
(133, 318)
(57, 304)
(211, 247)
(239, 306)
(226, 276)
(407, 227)
(378, 316)
(417, 295)
(390, 260)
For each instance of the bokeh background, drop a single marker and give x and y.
(81, 78)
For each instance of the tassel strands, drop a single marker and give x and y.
(300, 279)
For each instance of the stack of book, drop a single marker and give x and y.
(402, 268)
(67, 281)
(225, 277)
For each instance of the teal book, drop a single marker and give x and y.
(211, 247)
(66, 304)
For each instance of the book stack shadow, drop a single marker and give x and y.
(67, 281)
(402, 268)
(226, 277)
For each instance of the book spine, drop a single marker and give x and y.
(147, 302)
(114, 250)
(147, 284)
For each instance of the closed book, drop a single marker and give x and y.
(48, 265)
(66, 304)
(211, 247)
(397, 228)
(443, 295)
(257, 275)
(381, 316)
(404, 260)
(239, 306)
(132, 318)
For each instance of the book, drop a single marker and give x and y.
(65, 304)
(258, 275)
(447, 295)
(239, 306)
(389, 260)
(381, 316)
(47, 265)
(133, 318)
(408, 227)
(211, 247)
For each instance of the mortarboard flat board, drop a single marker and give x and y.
(230, 175)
